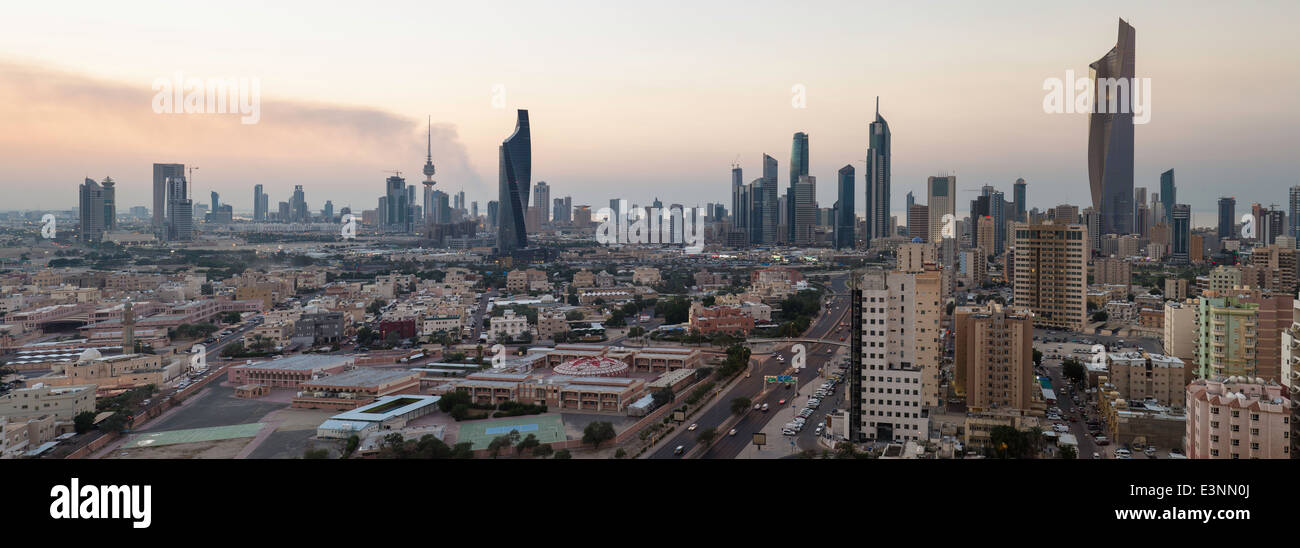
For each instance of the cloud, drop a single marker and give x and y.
(60, 127)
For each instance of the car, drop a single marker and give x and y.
(1102, 440)
(758, 406)
(780, 402)
(780, 358)
(693, 426)
(1176, 454)
(1061, 428)
(765, 408)
(1096, 455)
(1150, 451)
(679, 450)
(732, 432)
(1122, 452)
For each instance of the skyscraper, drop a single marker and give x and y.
(845, 216)
(804, 220)
(90, 206)
(1018, 195)
(180, 210)
(1293, 214)
(1181, 234)
(941, 200)
(1227, 217)
(739, 201)
(259, 204)
(769, 215)
(1110, 135)
(798, 168)
(1168, 195)
(877, 178)
(110, 203)
(161, 172)
(1051, 273)
(542, 199)
(298, 205)
(516, 172)
(428, 171)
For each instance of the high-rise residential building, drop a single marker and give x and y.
(845, 215)
(542, 199)
(1168, 195)
(1180, 234)
(1238, 418)
(259, 204)
(90, 207)
(298, 205)
(911, 200)
(918, 223)
(1293, 214)
(1140, 375)
(493, 213)
(582, 216)
(1227, 217)
(1018, 197)
(563, 210)
(941, 199)
(516, 173)
(993, 360)
(161, 173)
(888, 393)
(1227, 331)
(328, 212)
(878, 178)
(1110, 135)
(110, 203)
(1051, 273)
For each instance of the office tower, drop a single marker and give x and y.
(1139, 196)
(998, 212)
(784, 221)
(259, 204)
(1051, 273)
(1272, 223)
(542, 199)
(941, 194)
(739, 201)
(456, 199)
(473, 208)
(878, 179)
(845, 215)
(395, 206)
(993, 362)
(1110, 135)
(493, 213)
(769, 214)
(1180, 234)
(180, 210)
(162, 172)
(284, 216)
(918, 223)
(1293, 214)
(798, 168)
(328, 212)
(805, 210)
(1018, 196)
(1227, 217)
(109, 189)
(516, 173)
(409, 225)
(986, 235)
(1092, 220)
(90, 207)
(1168, 195)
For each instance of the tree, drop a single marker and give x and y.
(503, 441)
(84, 421)
(353, 442)
(116, 422)
(1074, 370)
(1069, 452)
(620, 453)
(529, 442)
(1038, 357)
(543, 450)
(597, 433)
(663, 396)
(705, 436)
(316, 454)
(1100, 316)
(562, 454)
(740, 405)
(375, 306)
(231, 317)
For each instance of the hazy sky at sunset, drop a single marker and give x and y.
(636, 100)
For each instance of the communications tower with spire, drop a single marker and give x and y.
(428, 175)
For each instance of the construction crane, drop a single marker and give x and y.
(395, 172)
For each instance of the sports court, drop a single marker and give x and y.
(194, 435)
(547, 428)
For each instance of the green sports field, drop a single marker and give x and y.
(547, 428)
(193, 435)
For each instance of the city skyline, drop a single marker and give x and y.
(375, 134)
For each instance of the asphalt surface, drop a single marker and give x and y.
(729, 447)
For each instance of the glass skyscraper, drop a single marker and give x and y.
(1227, 217)
(877, 176)
(845, 216)
(1110, 135)
(516, 171)
(798, 168)
(1168, 195)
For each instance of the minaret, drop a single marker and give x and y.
(128, 329)
(428, 176)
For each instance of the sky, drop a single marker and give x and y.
(636, 101)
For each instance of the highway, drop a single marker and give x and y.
(730, 446)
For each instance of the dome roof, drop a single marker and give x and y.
(593, 366)
(88, 355)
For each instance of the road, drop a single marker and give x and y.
(753, 421)
(1065, 400)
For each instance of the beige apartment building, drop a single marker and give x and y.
(64, 402)
(994, 362)
(1237, 418)
(1112, 271)
(1180, 329)
(915, 314)
(1051, 273)
(1137, 376)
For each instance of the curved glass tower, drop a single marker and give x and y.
(516, 173)
(1110, 135)
(878, 155)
